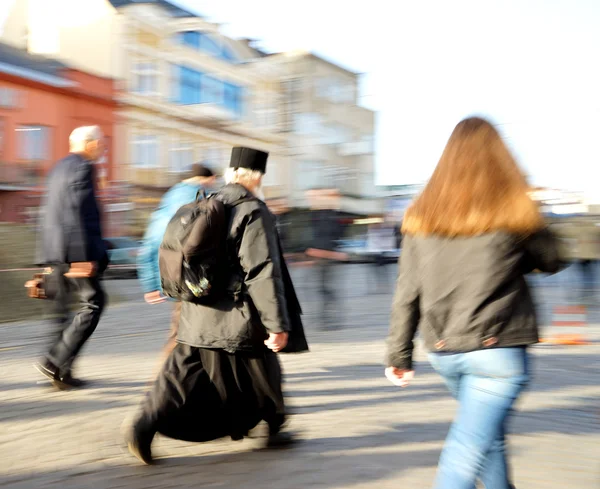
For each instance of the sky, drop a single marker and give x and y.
(531, 66)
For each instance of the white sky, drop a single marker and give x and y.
(533, 66)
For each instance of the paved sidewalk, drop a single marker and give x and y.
(359, 431)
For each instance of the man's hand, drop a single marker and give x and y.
(155, 297)
(327, 255)
(85, 269)
(399, 377)
(277, 341)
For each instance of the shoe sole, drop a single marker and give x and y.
(49, 377)
(133, 450)
(61, 386)
(46, 373)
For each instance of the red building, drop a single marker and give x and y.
(41, 102)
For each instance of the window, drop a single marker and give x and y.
(213, 158)
(145, 78)
(191, 39)
(181, 157)
(33, 143)
(189, 86)
(233, 98)
(335, 134)
(201, 41)
(227, 55)
(145, 151)
(323, 85)
(334, 90)
(211, 90)
(309, 125)
(311, 175)
(210, 46)
(291, 102)
(174, 83)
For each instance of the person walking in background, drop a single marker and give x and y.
(587, 258)
(380, 240)
(223, 376)
(279, 209)
(71, 245)
(469, 239)
(327, 231)
(200, 179)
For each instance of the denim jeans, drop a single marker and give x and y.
(486, 384)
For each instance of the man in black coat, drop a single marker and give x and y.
(224, 377)
(71, 245)
(327, 231)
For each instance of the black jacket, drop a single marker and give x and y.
(70, 230)
(467, 294)
(267, 303)
(327, 229)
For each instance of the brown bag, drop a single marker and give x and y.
(37, 286)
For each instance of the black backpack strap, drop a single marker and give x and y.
(200, 193)
(242, 200)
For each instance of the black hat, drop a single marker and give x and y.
(199, 170)
(249, 158)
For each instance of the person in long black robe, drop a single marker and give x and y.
(224, 377)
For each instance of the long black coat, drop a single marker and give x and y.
(70, 230)
(266, 303)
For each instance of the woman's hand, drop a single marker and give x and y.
(399, 377)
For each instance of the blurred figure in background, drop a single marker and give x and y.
(380, 240)
(200, 179)
(279, 209)
(397, 236)
(327, 231)
(470, 238)
(587, 249)
(71, 244)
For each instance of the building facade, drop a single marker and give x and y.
(41, 102)
(329, 136)
(188, 93)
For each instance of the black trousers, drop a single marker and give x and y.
(329, 302)
(202, 395)
(70, 335)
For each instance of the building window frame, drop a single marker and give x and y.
(233, 98)
(212, 90)
(28, 148)
(146, 77)
(145, 151)
(206, 43)
(181, 156)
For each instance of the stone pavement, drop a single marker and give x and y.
(358, 430)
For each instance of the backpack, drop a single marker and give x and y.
(191, 257)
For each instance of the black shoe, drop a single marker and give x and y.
(139, 443)
(47, 369)
(236, 437)
(281, 439)
(66, 381)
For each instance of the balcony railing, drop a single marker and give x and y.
(21, 174)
